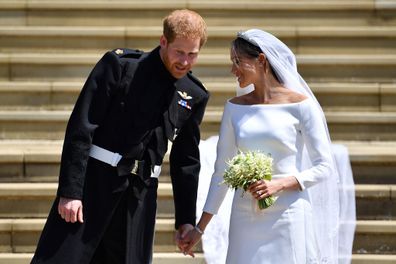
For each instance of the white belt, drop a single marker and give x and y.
(113, 158)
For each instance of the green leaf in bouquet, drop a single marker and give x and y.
(246, 168)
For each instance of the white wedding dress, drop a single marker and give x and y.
(282, 233)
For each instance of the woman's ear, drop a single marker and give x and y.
(263, 61)
(262, 58)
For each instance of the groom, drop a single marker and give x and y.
(117, 136)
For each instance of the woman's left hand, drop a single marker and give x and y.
(262, 188)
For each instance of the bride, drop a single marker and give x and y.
(282, 117)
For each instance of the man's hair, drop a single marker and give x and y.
(186, 24)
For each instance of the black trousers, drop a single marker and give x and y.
(129, 237)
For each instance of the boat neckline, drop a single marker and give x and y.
(281, 104)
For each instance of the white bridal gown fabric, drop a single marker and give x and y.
(282, 233)
(215, 239)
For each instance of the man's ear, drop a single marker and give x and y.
(163, 41)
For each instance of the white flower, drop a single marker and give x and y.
(247, 168)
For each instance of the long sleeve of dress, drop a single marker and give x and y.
(226, 149)
(314, 135)
(88, 113)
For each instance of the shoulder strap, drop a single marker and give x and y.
(196, 81)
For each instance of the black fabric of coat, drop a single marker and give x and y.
(138, 125)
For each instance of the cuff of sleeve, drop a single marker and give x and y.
(69, 194)
(210, 210)
(184, 221)
(300, 181)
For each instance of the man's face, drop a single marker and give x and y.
(180, 55)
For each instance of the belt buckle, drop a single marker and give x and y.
(135, 168)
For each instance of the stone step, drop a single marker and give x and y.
(375, 201)
(23, 200)
(372, 162)
(342, 125)
(177, 258)
(314, 67)
(375, 237)
(38, 161)
(317, 39)
(21, 236)
(158, 258)
(333, 96)
(51, 125)
(33, 200)
(45, 95)
(373, 258)
(235, 13)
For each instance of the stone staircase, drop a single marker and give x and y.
(346, 50)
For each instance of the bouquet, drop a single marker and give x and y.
(247, 168)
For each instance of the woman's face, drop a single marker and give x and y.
(244, 68)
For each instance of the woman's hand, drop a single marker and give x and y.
(262, 188)
(195, 234)
(193, 237)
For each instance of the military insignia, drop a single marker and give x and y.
(119, 51)
(184, 104)
(184, 95)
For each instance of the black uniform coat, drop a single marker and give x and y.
(135, 119)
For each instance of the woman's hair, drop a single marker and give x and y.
(246, 49)
(184, 23)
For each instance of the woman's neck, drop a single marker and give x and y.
(266, 90)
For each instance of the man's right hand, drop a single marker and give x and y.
(70, 210)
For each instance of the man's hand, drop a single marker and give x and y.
(193, 238)
(182, 240)
(70, 210)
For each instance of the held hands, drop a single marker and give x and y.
(70, 210)
(181, 237)
(186, 238)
